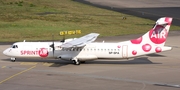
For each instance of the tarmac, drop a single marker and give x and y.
(149, 9)
(151, 72)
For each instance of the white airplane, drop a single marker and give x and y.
(83, 49)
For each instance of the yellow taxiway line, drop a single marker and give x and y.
(3, 67)
(16, 74)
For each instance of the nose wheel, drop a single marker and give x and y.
(13, 59)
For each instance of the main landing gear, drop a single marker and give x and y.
(76, 62)
(13, 59)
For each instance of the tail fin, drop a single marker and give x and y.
(158, 34)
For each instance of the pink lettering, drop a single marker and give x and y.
(43, 52)
(158, 34)
(28, 52)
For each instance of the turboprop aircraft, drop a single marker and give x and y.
(84, 48)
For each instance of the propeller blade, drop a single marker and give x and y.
(63, 40)
(52, 45)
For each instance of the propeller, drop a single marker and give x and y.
(63, 40)
(52, 45)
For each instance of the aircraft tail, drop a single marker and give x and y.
(157, 35)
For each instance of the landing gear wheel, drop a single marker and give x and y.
(76, 62)
(13, 59)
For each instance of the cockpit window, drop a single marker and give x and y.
(14, 46)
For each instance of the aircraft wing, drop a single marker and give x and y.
(80, 42)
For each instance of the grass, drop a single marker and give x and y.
(35, 20)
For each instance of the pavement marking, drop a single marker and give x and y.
(28, 63)
(165, 67)
(48, 64)
(144, 12)
(3, 67)
(16, 74)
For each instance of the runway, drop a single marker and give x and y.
(156, 71)
(149, 9)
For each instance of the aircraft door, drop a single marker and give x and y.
(124, 51)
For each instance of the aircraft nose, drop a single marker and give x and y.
(6, 51)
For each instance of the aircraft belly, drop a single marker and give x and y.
(109, 55)
(86, 57)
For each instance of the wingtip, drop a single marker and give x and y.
(95, 34)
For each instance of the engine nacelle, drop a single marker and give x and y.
(65, 57)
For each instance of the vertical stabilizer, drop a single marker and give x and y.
(158, 34)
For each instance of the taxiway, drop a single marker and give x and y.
(152, 72)
(156, 71)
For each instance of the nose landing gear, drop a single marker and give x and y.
(13, 59)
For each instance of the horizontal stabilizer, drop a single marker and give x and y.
(166, 48)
